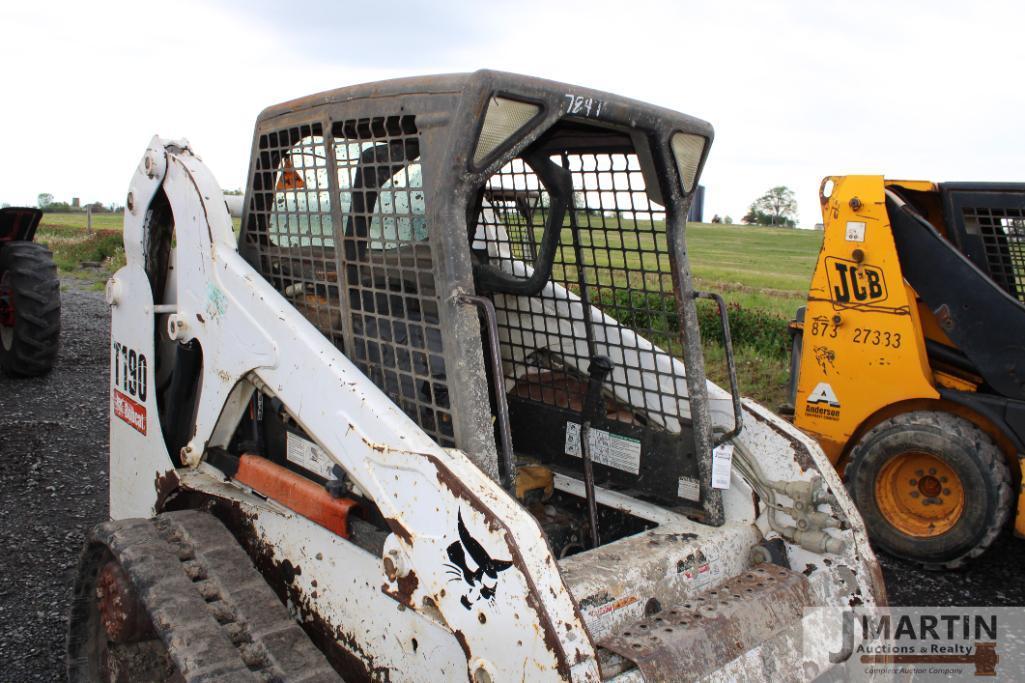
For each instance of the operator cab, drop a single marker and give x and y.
(535, 240)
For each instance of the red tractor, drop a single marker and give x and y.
(30, 304)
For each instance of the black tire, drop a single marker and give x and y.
(959, 445)
(28, 277)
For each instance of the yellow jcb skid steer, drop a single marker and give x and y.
(909, 360)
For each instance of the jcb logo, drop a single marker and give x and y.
(851, 282)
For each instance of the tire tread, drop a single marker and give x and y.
(990, 455)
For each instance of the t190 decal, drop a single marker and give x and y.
(129, 371)
(128, 374)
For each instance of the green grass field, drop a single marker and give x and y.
(101, 221)
(763, 273)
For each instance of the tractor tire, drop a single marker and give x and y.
(176, 599)
(932, 488)
(29, 335)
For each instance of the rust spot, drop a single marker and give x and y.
(878, 584)
(481, 618)
(289, 571)
(199, 317)
(379, 447)
(407, 586)
(166, 484)
(399, 530)
(463, 644)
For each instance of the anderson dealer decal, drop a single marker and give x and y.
(822, 402)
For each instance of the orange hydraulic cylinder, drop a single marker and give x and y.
(295, 492)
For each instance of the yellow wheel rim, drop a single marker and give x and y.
(919, 494)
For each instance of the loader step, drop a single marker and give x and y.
(714, 627)
(217, 617)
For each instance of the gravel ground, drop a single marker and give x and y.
(53, 488)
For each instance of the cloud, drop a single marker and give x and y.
(796, 90)
(373, 35)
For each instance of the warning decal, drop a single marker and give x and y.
(689, 489)
(611, 450)
(308, 455)
(602, 618)
(130, 411)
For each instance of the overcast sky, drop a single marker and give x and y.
(795, 90)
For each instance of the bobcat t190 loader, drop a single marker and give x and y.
(441, 412)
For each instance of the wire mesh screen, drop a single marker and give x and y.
(612, 255)
(1003, 238)
(366, 283)
(389, 268)
(289, 222)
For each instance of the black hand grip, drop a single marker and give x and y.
(598, 370)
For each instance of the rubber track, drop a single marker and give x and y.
(36, 290)
(214, 611)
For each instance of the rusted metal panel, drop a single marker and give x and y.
(715, 627)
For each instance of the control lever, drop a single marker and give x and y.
(598, 370)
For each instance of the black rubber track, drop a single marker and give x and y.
(35, 289)
(217, 616)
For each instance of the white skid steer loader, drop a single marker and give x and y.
(439, 412)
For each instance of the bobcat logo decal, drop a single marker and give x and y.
(478, 571)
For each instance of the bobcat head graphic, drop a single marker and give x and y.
(478, 571)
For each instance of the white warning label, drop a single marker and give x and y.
(308, 455)
(688, 489)
(603, 619)
(722, 466)
(612, 450)
(855, 231)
